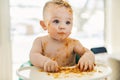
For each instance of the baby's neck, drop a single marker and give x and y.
(55, 40)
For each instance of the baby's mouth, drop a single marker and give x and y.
(61, 32)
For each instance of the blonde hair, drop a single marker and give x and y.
(61, 3)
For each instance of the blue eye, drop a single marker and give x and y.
(67, 22)
(56, 21)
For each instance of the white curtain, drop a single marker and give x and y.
(112, 35)
(5, 51)
(112, 25)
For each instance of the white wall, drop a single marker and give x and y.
(112, 27)
(5, 52)
(112, 30)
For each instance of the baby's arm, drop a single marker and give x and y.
(87, 59)
(37, 59)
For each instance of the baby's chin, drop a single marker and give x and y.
(61, 39)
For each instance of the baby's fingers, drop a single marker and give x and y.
(49, 68)
(91, 67)
(80, 66)
(86, 65)
(45, 67)
(54, 67)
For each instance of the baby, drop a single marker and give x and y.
(57, 49)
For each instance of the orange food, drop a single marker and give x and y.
(67, 71)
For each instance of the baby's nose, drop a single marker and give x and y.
(61, 27)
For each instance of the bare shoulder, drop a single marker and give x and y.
(74, 40)
(40, 39)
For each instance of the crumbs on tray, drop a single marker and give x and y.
(66, 71)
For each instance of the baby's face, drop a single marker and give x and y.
(60, 21)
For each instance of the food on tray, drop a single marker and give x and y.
(67, 71)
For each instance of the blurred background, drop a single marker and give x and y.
(25, 16)
(96, 23)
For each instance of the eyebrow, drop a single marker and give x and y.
(59, 17)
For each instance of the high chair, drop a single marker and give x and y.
(95, 50)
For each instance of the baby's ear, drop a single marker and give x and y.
(43, 25)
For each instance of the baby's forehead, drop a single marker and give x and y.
(52, 5)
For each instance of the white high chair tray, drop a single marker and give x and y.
(101, 71)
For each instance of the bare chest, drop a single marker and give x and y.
(58, 51)
(63, 54)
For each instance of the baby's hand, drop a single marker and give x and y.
(50, 66)
(86, 62)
